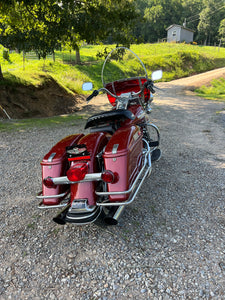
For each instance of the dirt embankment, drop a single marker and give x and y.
(50, 99)
(46, 100)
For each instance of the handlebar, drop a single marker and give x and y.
(94, 94)
(148, 84)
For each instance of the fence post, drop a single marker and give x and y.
(24, 54)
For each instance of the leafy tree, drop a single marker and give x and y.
(222, 30)
(36, 27)
(191, 11)
(43, 25)
(160, 14)
(157, 15)
(210, 18)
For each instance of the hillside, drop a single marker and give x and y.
(49, 99)
(44, 89)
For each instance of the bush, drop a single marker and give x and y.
(6, 54)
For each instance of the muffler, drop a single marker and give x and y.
(60, 218)
(114, 215)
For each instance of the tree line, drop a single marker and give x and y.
(46, 25)
(205, 17)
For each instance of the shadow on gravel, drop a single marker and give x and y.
(169, 242)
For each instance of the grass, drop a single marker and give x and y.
(176, 61)
(22, 124)
(216, 91)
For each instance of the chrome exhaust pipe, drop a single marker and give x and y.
(114, 215)
(60, 218)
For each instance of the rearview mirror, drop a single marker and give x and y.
(87, 86)
(156, 75)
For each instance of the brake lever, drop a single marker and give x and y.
(159, 88)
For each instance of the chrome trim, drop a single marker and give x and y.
(141, 115)
(81, 206)
(51, 157)
(80, 217)
(51, 196)
(147, 173)
(61, 205)
(118, 213)
(115, 148)
(88, 177)
(114, 214)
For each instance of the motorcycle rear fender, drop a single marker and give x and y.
(94, 142)
(123, 156)
(55, 164)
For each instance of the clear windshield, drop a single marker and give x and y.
(122, 63)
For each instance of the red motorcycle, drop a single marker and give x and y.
(94, 176)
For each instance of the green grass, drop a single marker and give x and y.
(23, 124)
(176, 61)
(216, 91)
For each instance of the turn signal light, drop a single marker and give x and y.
(48, 182)
(77, 172)
(108, 176)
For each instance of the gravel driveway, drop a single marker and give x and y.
(169, 243)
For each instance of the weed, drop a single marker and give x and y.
(216, 91)
(31, 225)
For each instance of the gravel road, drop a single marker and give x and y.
(169, 243)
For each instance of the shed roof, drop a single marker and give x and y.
(171, 26)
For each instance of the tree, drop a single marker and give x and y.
(32, 27)
(210, 18)
(45, 25)
(160, 14)
(191, 11)
(222, 30)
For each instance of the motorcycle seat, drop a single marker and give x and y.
(109, 116)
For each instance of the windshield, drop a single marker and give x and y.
(122, 63)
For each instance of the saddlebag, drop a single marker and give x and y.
(123, 156)
(55, 164)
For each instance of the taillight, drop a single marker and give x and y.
(48, 182)
(77, 172)
(108, 176)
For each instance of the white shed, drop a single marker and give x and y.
(178, 33)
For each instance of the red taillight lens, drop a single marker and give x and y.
(108, 176)
(77, 172)
(48, 182)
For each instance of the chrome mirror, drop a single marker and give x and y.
(156, 75)
(87, 86)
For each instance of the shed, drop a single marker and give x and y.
(178, 33)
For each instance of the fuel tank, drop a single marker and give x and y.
(123, 156)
